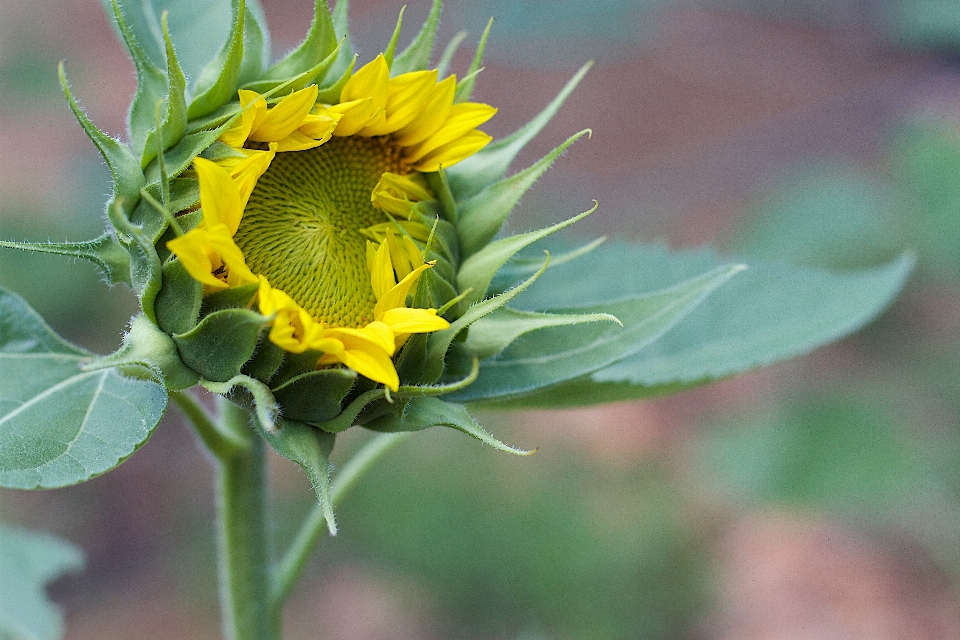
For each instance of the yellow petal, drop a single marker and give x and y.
(432, 116)
(381, 275)
(239, 131)
(453, 152)
(397, 296)
(407, 95)
(219, 195)
(367, 351)
(372, 80)
(212, 258)
(403, 321)
(285, 117)
(246, 172)
(296, 141)
(354, 115)
(462, 119)
(320, 126)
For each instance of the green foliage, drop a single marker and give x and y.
(28, 561)
(768, 313)
(60, 425)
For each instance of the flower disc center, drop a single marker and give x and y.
(302, 226)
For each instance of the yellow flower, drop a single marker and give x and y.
(320, 204)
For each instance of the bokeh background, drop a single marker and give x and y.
(818, 499)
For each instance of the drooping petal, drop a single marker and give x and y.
(212, 258)
(461, 120)
(219, 195)
(252, 106)
(453, 152)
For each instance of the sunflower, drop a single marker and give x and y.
(317, 204)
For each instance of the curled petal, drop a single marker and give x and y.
(212, 258)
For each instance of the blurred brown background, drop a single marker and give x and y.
(817, 499)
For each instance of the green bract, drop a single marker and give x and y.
(601, 322)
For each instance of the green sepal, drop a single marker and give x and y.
(151, 85)
(482, 216)
(440, 186)
(465, 86)
(416, 57)
(105, 252)
(128, 178)
(256, 44)
(443, 64)
(330, 93)
(392, 45)
(422, 413)
(341, 27)
(145, 346)
(478, 270)
(438, 343)
(173, 126)
(221, 343)
(232, 298)
(60, 424)
(179, 157)
(266, 360)
(520, 267)
(29, 560)
(178, 302)
(310, 448)
(315, 396)
(411, 363)
(490, 164)
(145, 267)
(496, 331)
(217, 83)
(320, 42)
(555, 355)
(302, 80)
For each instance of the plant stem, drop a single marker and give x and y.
(294, 561)
(243, 549)
(220, 443)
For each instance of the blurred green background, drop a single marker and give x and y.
(816, 499)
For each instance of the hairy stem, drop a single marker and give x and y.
(243, 547)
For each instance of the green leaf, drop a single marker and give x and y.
(60, 425)
(124, 167)
(465, 86)
(29, 560)
(223, 341)
(310, 448)
(315, 396)
(478, 270)
(769, 313)
(443, 64)
(494, 332)
(422, 413)
(482, 216)
(417, 56)
(105, 252)
(217, 83)
(490, 164)
(554, 355)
